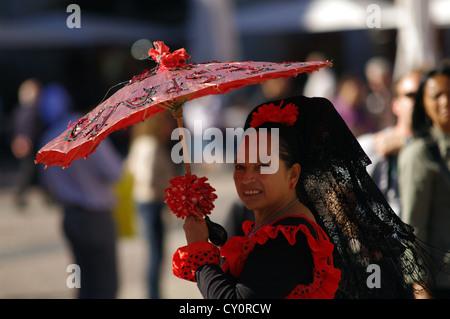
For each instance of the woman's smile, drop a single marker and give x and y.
(252, 192)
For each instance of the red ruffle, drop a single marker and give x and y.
(326, 277)
(187, 259)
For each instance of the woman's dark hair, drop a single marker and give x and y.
(421, 122)
(287, 138)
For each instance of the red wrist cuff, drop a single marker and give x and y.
(188, 259)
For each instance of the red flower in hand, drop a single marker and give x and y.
(274, 113)
(165, 59)
(188, 195)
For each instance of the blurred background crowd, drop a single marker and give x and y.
(47, 66)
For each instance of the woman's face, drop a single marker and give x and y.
(436, 100)
(259, 190)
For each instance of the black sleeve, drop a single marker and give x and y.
(271, 271)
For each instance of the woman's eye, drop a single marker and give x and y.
(436, 96)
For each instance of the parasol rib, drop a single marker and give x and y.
(178, 115)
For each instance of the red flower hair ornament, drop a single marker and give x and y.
(188, 195)
(274, 113)
(165, 59)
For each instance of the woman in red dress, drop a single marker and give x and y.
(320, 221)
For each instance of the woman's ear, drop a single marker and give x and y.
(294, 173)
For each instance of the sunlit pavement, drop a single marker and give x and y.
(34, 254)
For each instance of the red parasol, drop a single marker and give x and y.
(167, 87)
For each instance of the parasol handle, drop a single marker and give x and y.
(178, 115)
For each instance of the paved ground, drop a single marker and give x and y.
(34, 256)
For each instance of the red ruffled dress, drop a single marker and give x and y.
(201, 261)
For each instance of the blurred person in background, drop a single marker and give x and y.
(276, 88)
(151, 167)
(383, 146)
(197, 121)
(378, 73)
(350, 104)
(27, 130)
(321, 83)
(423, 173)
(85, 192)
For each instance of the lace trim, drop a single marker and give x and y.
(188, 259)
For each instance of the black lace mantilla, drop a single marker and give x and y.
(348, 205)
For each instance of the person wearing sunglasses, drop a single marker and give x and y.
(383, 146)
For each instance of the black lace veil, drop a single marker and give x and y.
(348, 205)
